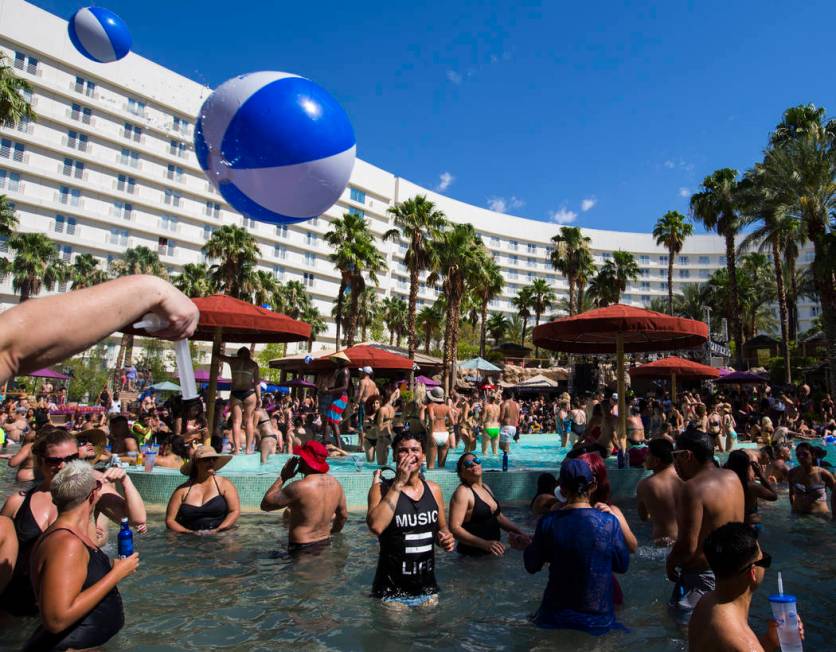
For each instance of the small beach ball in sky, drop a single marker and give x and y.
(99, 34)
(278, 147)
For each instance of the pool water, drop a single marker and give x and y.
(234, 592)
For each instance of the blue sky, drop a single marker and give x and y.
(603, 114)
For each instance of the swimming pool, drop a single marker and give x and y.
(232, 593)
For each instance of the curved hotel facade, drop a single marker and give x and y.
(109, 165)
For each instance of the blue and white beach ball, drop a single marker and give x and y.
(278, 147)
(99, 34)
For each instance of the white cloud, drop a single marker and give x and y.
(588, 203)
(503, 204)
(684, 192)
(444, 181)
(670, 164)
(454, 77)
(563, 216)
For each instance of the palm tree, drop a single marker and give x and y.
(292, 299)
(194, 280)
(429, 321)
(36, 264)
(716, 206)
(368, 313)
(542, 298)
(392, 310)
(311, 315)
(626, 271)
(457, 255)
(14, 106)
(670, 232)
(522, 302)
(602, 287)
(237, 252)
(136, 260)
(689, 301)
(417, 222)
(497, 326)
(571, 256)
(355, 253)
(488, 286)
(8, 219)
(85, 272)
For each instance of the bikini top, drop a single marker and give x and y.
(817, 490)
(207, 516)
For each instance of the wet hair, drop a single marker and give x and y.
(406, 435)
(729, 548)
(599, 470)
(739, 462)
(72, 485)
(546, 484)
(662, 450)
(698, 442)
(50, 437)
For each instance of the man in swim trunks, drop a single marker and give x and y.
(439, 413)
(710, 498)
(338, 393)
(316, 503)
(490, 425)
(509, 416)
(365, 389)
(658, 495)
(407, 516)
(245, 396)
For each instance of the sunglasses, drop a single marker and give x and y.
(55, 461)
(764, 562)
(471, 462)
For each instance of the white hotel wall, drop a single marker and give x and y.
(101, 229)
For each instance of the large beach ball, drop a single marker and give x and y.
(99, 34)
(278, 147)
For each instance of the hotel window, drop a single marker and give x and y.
(84, 86)
(532, 262)
(67, 224)
(645, 285)
(12, 150)
(77, 141)
(815, 311)
(27, 63)
(119, 237)
(645, 299)
(705, 260)
(663, 260)
(513, 259)
(174, 172)
(207, 231)
(310, 239)
(177, 148)
(314, 221)
(683, 260)
(310, 259)
(663, 285)
(278, 270)
(132, 132)
(73, 168)
(213, 209)
(704, 273)
(281, 230)
(532, 248)
(180, 125)
(82, 113)
(165, 247)
(136, 107)
(722, 260)
(512, 274)
(626, 298)
(279, 252)
(684, 273)
(248, 223)
(809, 256)
(9, 181)
(66, 253)
(358, 195)
(69, 196)
(4, 244)
(129, 157)
(123, 210)
(172, 198)
(644, 272)
(308, 279)
(126, 184)
(168, 223)
(513, 244)
(644, 260)
(356, 211)
(606, 255)
(494, 241)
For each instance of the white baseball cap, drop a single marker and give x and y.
(614, 397)
(367, 370)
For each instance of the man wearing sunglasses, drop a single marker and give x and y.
(721, 619)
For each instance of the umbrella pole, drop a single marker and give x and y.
(213, 386)
(622, 412)
(673, 387)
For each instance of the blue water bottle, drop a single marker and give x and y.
(126, 540)
(620, 456)
(504, 460)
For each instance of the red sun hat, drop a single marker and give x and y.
(314, 455)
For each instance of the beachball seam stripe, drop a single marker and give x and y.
(99, 34)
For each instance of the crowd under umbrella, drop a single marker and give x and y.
(360, 355)
(226, 319)
(620, 329)
(674, 367)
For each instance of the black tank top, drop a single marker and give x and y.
(406, 564)
(19, 599)
(483, 523)
(207, 516)
(98, 626)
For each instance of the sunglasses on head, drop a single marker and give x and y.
(55, 461)
(764, 562)
(471, 462)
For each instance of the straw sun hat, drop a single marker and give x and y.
(205, 452)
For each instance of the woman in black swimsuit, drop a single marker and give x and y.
(245, 397)
(207, 503)
(476, 518)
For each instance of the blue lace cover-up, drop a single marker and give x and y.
(583, 548)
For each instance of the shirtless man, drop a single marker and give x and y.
(337, 393)
(490, 425)
(270, 440)
(365, 389)
(710, 497)
(509, 417)
(316, 503)
(245, 397)
(658, 495)
(721, 619)
(439, 415)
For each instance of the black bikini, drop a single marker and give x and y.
(483, 524)
(242, 394)
(19, 599)
(207, 516)
(98, 626)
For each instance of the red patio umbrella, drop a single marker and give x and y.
(367, 355)
(673, 367)
(619, 329)
(226, 319)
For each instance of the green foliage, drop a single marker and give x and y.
(798, 362)
(158, 356)
(89, 374)
(263, 357)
